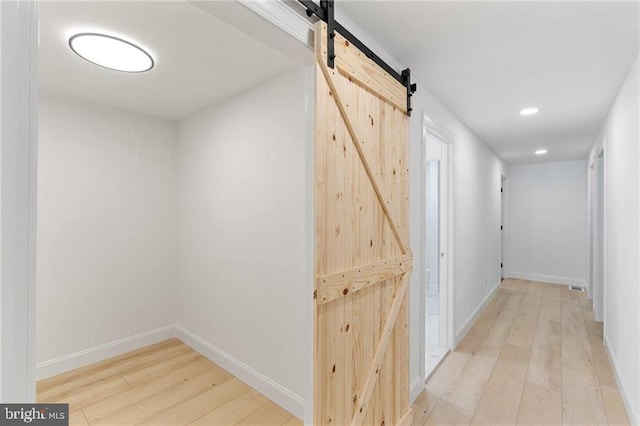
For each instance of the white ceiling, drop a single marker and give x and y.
(484, 60)
(488, 60)
(199, 59)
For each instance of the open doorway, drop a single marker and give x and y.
(149, 186)
(598, 238)
(503, 227)
(436, 250)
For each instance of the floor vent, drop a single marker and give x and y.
(576, 288)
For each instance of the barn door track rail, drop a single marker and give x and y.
(325, 12)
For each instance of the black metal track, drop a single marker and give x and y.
(324, 12)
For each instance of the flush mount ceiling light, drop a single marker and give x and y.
(541, 152)
(529, 111)
(111, 52)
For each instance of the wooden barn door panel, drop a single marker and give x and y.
(362, 252)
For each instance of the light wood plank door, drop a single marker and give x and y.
(362, 255)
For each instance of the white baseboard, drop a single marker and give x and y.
(632, 409)
(417, 386)
(272, 390)
(464, 328)
(551, 279)
(99, 353)
(281, 396)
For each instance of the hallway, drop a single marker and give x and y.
(534, 356)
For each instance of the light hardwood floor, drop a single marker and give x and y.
(533, 357)
(164, 384)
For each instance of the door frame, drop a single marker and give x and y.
(504, 219)
(598, 288)
(18, 144)
(431, 127)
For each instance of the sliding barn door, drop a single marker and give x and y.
(363, 261)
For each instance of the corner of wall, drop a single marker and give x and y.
(99, 353)
(267, 387)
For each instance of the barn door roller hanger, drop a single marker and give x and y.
(324, 12)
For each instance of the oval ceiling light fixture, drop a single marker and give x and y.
(541, 152)
(529, 111)
(111, 52)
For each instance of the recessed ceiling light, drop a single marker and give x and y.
(529, 111)
(541, 152)
(111, 52)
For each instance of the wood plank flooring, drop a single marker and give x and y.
(533, 357)
(163, 384)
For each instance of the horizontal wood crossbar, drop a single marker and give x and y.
(333, 286)
(363, 151)
(381, 350)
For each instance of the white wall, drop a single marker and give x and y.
(622, 239)
(476, 223)
(106, 226)
(548, 222)
(242, 277)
